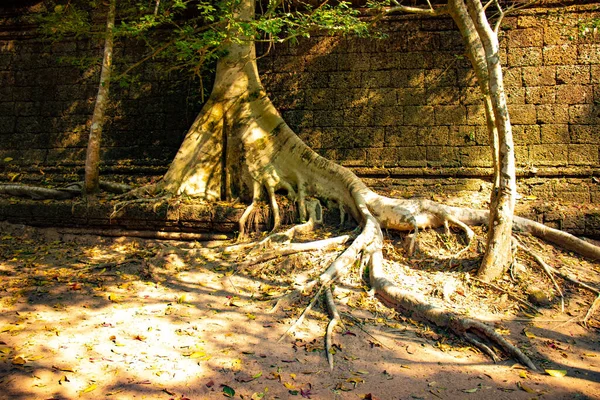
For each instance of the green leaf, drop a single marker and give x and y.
(228, 391)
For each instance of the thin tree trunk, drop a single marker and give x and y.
(92, 161)
(498, 255)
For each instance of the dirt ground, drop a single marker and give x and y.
(93, 317)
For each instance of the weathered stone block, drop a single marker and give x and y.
(559, 54)
(585, 114)
(476, 156)
(555, 133)
(465, 135)
(550, 154)
(408, 156)
(539, 76)
(411, 96)
(522, 114)
(526, 134)
(574, 94)
(513, 77)
(357, 116)
(552, 114)
(589, 54)
(528, 37)
(584, 134)
(515, 95)
(442, 95)
(401, 136)
(436, 135)
(372, 79)
(387, 116)
(437, 77)
(418, 115)
(476, 115)
(407, 78)
(450, 115)
(7, 124)
(524, 56)
(443, 156)
(573, 74)
(583, 154)
(540, 95)
(522, 157)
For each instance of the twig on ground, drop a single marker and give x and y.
(512, 296)
(545, 267)
(299, 321)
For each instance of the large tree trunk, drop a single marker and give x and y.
(92, 161)
(483, 50)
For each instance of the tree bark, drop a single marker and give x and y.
(92, 161)
(498, 255)
(483, 50)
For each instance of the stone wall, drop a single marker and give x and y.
(393, 110)
(47, 95)
(411, 100)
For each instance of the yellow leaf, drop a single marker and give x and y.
(293, 376)
(4, 349)
(198, 354)
(8, 159)
(114, 298)
(528, 334)
(251, 316)
(90, 388)
(19, 360)
(289, 386)
(526, 388)
(523, 374)
(557, 373)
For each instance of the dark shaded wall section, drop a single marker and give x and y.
(47, 95)
(400, 112)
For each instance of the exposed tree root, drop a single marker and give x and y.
(462, 327)
(293, 248)
(591, 310)
(148, 234)
(66, 192)
(333, 322)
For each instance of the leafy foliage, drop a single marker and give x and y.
(191, 34)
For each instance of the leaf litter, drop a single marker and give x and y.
(93, 317)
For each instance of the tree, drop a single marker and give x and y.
(240, 142)
(92, 160)
(239, 146)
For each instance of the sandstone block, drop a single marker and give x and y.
(450, 115)
(522, 114)
(524, 56)
(539, 76)
(555, 133)
(583, 154)
(574, 94)
(550, 154)
(559, 54)
(540, 95)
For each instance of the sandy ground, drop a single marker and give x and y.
(91, 317)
